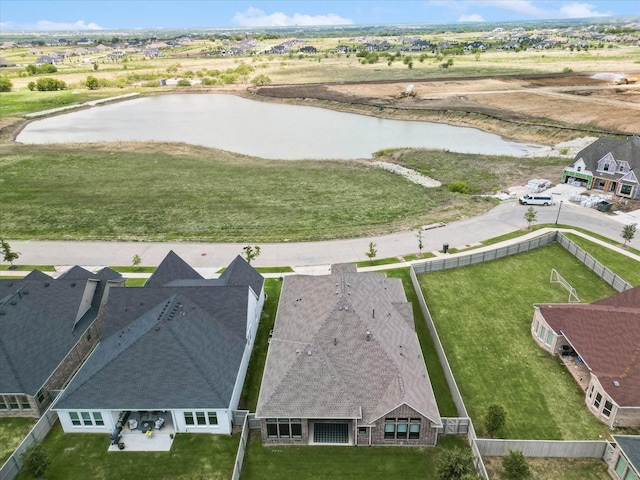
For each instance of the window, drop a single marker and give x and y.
(362, 431)
(40, 396)
(625, 190)
(3, 404)
(88, 337)
(591, 391)
(24, 401)
(579, 169)
(621, 466)
(86, 419)
(543, 331)
(401, 428)
(549, 338)
(414, 429)
(606, 167)
(537, 326)
(13, 402)
(201, 418)
(630, 475)
(606, 411)
(596, 402)
(284, 428)
(75, 419)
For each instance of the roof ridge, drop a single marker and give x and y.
(12, 365)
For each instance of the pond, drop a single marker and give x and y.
(261, 129)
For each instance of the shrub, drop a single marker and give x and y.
(183, 82)
(458, 187)
(48, 84)
(261, 80)
(35, 460)
(516, 466)
(92, 83)
(5, 85)
(455, 464)
(495, 419)
(567, 70)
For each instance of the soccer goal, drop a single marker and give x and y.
(557, 278)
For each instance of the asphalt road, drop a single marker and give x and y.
(505, 218)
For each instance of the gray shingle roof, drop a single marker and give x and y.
(622, 150)
(630, 445)
(321, 362)
(165, 347)
(172, 268)
(37, 317)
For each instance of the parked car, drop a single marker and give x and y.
(536, 200)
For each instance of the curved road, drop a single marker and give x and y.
(505, 218)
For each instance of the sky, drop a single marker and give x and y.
(51, 15)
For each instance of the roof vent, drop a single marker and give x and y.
(616, 383)
(46, 284)
(368, 335)
(25, 292)
(309, 353)
(73, 284)
(13, 302)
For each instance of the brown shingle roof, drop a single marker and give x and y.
(322, 364)
(606, 335)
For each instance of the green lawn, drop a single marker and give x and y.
(28, 268)
(483, 315)
(620, 264)
(12, 432)
(21, 102)
(352, 463)
(168, 192)
(81, 456)
(554, 468)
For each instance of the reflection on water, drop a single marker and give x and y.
(261, 129)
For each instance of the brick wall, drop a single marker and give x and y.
(428, 433)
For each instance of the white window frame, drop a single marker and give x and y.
(196, 415)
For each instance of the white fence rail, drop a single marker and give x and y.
(242, 446)
(543, 448)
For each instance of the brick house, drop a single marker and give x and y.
(47, 328)
(608, 164)
(624, 464)
(344, 365)
(177, 348)
(605, 335)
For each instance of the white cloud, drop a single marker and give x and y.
(254, 17)
(46, 25)
(474, 17)
(580, 10)
(525, 9)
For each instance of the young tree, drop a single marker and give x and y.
(136, 260)
(516, 466)
(5, 84)
(628, 232)
(530, 216)
(8, 254)
(454, 464)
(35, 460)
(372, 252)
(92, 83)
(251, 253)
(495, 419)
(420, 244)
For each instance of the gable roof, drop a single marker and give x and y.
(630, 445)
(240, 272)
(622, 150)
(38, 327)
(606, 335)
(171, 268)
(165, 347)
(343, 346)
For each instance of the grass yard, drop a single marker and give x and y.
(552, 468)
(483, 315)
(251, 387)
(12, 432)
(353, 463)
(622, 265)
(162, 192)
(81, 456)
(24, 101)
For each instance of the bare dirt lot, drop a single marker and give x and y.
(539, 108)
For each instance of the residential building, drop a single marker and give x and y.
(175, 351)
(605, 337)
(344, 365)
(48, 327)
(609, 165)
(625, 462)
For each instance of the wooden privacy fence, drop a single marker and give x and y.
(543, 448)
(11, 467)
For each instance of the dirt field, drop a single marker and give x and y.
(543, 108)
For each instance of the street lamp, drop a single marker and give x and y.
(558, 216)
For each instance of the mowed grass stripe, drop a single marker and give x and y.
(483, 315)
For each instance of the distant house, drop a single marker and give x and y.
(47, 328)
(6, 63)
(175, 351)
(608, 164)
(344, 365)
(308, 49)
(44, 59)
(624, 464)
(342, 49)
(475, 45)
(605, 335)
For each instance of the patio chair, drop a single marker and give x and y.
(159, 423)
(133, 424)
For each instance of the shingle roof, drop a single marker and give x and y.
(171, 268)
(622, 150)
(344, 346)
(37, 318)
(606, 335)
(630, 445)
(165, 347)
(239, 272)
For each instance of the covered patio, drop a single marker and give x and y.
(135, 434)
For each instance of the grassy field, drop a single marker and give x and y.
(554, 468)
(320, 463)
(81, 456)
(483, 315)
(180, 192)
(12, 432)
